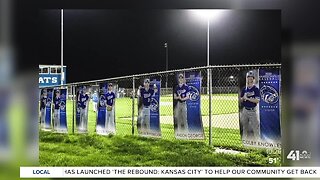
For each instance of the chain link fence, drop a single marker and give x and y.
(219, 102)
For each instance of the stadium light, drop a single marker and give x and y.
(208, 15)
(213, 15)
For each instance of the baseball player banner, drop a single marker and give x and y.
(259, 108)
(106, 110)
(45, 108)
(148, 109)
(59, 111)
(82, 109)
(186, 106)
(269, 82)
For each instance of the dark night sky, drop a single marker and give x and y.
(108, 43)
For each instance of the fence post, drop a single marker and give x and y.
(133, 97)
(210, 106)
(73, 105)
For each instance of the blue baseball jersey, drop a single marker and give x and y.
(183, 91)
(43, 102)
(110, 96)
(83, 100)
(252, 92)
(146, 96)
(56, 102)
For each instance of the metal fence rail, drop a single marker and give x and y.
(219, 102)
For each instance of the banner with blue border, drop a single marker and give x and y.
(155, 111)
(269, 83)
(47, 122)
(63, 113)
(151, 128)
(194, 118)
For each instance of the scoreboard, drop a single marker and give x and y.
(50, 75)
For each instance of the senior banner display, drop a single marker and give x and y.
(270, 105)
(59, 111)
(259, 103)
(187, 107)
(148, 123)
(106, 109)
(82, 101)
(45, 108)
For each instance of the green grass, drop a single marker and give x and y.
(125, 149)
(95, 150)
(223, 137)
(219, 106)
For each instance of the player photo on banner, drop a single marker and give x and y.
(186, 106)
(59, 110)
(106, 109)
(259, 111)
(82, 109)
(45, 108)
(148, 108)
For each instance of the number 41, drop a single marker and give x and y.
(294, 155)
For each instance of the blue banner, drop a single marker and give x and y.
(148, 110)
(63, 111)
(47, 112)
(193, 79)
(260, 120)
(155, 111)
(82, 109)
(269, 83)
(106, 109)
(77, 107)
(186, 104)
(102, 108)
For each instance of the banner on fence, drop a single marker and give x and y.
(148, 108)
(106, 109)
(82, 109)
(45, 108)
(259, 103)
(187, 106)
(59, 111)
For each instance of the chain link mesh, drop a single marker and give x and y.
(224, 103)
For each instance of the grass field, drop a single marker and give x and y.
(95, 150)
(222, 104)
(123, 149)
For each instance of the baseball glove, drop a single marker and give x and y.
(109, 108)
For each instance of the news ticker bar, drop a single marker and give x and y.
(169, 172)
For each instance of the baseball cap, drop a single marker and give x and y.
(58, 91)
(147, 81)
(110, 84)
(181, 75)
(250, 74)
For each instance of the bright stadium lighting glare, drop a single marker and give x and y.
(209, 14)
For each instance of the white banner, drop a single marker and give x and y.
(169, 172)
